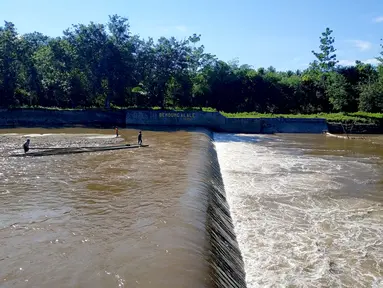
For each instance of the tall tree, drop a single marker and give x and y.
(9, 64)
(326, 57)
(380, 58)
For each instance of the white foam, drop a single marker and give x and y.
(301, 220)
(10, 134)
(38, 135)
(101, 137)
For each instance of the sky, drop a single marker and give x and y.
(260, 33)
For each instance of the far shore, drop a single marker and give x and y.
(342, 117)
(338, 123)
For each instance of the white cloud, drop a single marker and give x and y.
(181, 28)
(347, 62)
(163, 29)
(361, 45)
(371, 61)
(378, 19)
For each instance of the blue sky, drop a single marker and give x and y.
(280, 33)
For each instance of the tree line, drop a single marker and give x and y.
(105, 65)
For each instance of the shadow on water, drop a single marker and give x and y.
(227, 267)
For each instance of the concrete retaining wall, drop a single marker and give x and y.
(210, 120)
(241, 125)
(217, 122)
(294, 125)
(41, 117)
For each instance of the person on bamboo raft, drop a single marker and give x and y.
(139, 138)
(26, 146)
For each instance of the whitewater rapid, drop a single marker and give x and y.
(305, 215)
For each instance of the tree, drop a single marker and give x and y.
(337, 91)
(371, 98)
(9, 65)
(106, 65)
(326, 57)
(380, 58)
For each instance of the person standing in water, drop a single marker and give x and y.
(140, 138)
(26, 146)
(116, 128)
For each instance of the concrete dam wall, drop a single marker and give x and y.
(225, 258)
(213, 121)
(52, 118)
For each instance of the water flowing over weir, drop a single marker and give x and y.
(307, 210)
(225, 256)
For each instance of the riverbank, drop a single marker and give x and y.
(341, 117)
(340, 123)
(345, 118)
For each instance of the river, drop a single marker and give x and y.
(105, 219)
(306, 209)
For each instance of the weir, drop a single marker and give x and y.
(227, 268)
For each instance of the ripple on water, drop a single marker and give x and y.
(110, 219)
(303, 220)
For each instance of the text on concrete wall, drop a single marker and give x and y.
(177, 115)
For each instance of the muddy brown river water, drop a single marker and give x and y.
(307, 210)
(104, 219)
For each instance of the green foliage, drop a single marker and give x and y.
(326, 58)
(380, 57)
(139, 90)
(357, 117)
(337, 92)
(371, 97)
(106, 65)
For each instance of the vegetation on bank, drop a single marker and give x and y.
(97, 65)
(355, 118)
(352, 118)
(113, 107)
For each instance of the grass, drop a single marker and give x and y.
(355, 117)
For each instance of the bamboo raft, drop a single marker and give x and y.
(74, 150)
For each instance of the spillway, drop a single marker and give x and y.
(307, 210)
